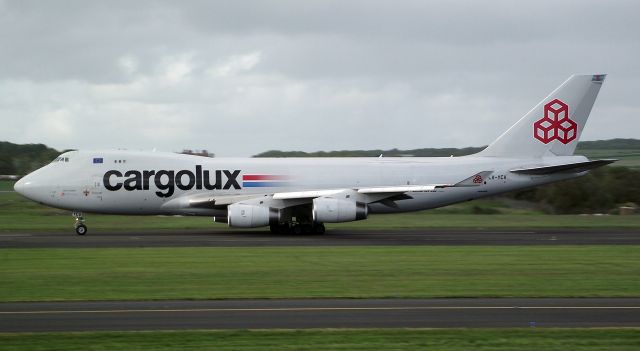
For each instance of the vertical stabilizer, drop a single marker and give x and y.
(554, 125)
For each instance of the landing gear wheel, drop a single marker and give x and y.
(279, 228)
(319, 228)
(81, 229)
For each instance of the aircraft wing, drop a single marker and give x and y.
(475, 180)
(211, 201)
(294, 198)
(310, 194)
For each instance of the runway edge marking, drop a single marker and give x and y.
(309, 309)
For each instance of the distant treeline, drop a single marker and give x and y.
(611, 144)
(620, 144)
(22, 159)
(600, 191)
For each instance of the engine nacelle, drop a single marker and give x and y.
(329, 210)
(251, 216)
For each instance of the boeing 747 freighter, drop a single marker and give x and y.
(301, 194)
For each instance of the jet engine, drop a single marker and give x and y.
(329, 210)
(250, 216)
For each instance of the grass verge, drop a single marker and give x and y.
(315, 272)
(355, 339)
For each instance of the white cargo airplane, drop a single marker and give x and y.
(300, 194)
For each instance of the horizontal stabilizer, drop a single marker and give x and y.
(566, 168)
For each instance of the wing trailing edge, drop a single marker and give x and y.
(292, 198)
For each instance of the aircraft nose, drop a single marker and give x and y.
(28, 187)
(19, 186)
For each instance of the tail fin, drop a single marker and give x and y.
(554, 125)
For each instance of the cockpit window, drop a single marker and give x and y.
(60, 159)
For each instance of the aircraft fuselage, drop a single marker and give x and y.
(126, 182)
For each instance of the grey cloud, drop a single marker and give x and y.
(304, 74)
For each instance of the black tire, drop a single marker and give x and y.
(280, 229)
(81, 229)
(319, 228)
(297, 229)
(286, 229)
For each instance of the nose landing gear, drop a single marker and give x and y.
(81, 228)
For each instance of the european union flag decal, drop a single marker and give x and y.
(97, 160)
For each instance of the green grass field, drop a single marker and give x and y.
(288, 272)
(6, 185)
(19, 214)
(352, 340)
(315, 272)
(354, 272)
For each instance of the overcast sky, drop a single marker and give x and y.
(242, 77)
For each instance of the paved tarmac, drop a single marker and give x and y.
(331, 238)
(319, 313)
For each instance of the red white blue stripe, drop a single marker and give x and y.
(264, 180)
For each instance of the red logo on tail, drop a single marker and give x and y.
(555, 124)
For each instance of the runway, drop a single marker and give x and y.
(319, 313)
(331, 238)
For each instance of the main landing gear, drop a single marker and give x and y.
(81, 228)
(298, 228)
